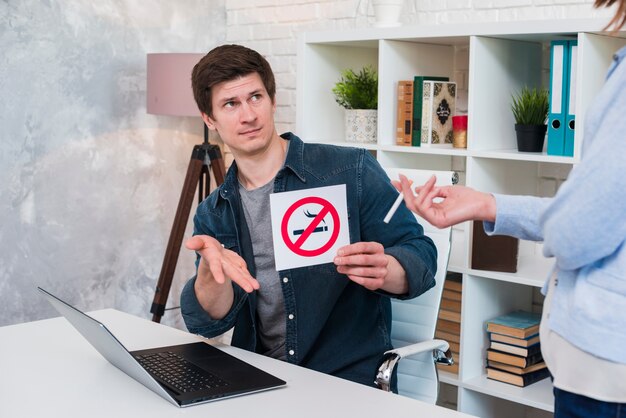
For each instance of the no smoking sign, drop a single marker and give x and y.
(308, 226)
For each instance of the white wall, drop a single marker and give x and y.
(88, 181)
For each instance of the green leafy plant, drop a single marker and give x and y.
(530, 106)
(357, 90)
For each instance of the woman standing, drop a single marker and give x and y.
(583, 327)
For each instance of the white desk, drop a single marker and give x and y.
(48, 369)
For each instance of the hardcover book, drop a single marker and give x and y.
(514, 369)
(455, 348)
(438, 107)
(518, 380)
(448, 326)
(418, 91)
(520, 342)
(451, 294)
(513, 360)
(451, 305)
(513, 349)
(518, 324)
(405, 112)
(453, 283)
(447, 336)
(450, 315)
(453, 368)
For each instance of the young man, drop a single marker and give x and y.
(331, 318)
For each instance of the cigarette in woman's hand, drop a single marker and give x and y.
(393, 208)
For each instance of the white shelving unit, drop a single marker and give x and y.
(502, 58)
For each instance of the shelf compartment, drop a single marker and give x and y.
(498, 68)
(538, 395)
(319, 69)
(459, 152)
(515, 155)
(403, 60)
(483, 300)
(532, 270)
(448, 378)
(503, 176)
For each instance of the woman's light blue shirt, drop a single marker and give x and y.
(584, 227)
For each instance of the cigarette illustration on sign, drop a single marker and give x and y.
(308, 226)
(318, 229)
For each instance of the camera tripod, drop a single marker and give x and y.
(203, 157)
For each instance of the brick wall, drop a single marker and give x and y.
(272, 26)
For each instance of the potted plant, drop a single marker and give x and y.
(358, 94)
(387, 12)
(530, 109)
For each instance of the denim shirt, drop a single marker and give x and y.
(333, 325)
(583, 227)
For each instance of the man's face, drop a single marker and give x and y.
(243, 114)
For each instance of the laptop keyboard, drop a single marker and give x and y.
(178, 373)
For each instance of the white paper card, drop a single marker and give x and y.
(309, 226)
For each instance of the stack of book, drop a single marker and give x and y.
(514, 354)
(425, 106)
(449, 320)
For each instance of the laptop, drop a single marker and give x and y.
(186, 374)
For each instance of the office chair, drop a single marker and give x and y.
(414, 321)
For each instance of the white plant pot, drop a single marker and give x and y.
(361, 125)
(387, 12)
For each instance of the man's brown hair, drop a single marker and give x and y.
(225, 63)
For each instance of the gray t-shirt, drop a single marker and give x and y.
(270, 302)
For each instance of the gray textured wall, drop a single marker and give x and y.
(89, 182)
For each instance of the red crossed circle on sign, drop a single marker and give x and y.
(296, 246)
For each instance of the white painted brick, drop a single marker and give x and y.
(512, 3)
(284, 46)
(458, 4)
(285, 114)
(530, 13)
(285, 97)
(231, 18)
(337, 10)
(464, 16)
(431, 5)
(238, 33)
(254, 15)
(286, 127)
(572, 2)
(250, 4)
(483, 4)
(262, 47)
(276, 31)
(296, 13)
(286, 80)
(283, 64)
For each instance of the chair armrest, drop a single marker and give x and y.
(440, 350)
(420, 347)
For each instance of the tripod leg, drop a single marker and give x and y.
(217, 164)
(176, 236)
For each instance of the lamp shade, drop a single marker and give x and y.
(169, 84)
